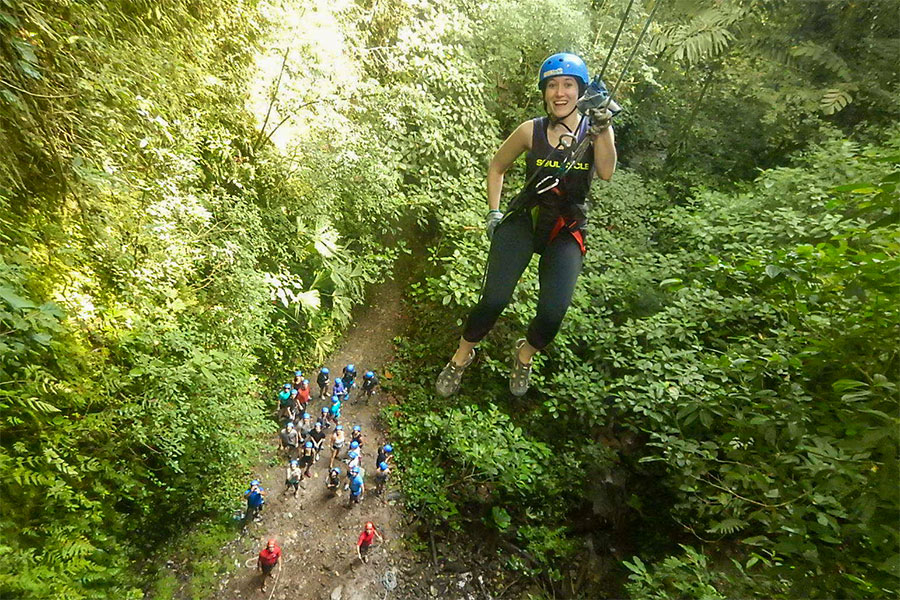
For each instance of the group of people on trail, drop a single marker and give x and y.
(302, 442)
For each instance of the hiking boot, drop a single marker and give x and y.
(448, 381)
(520, 372)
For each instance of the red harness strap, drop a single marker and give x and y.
(559, 225)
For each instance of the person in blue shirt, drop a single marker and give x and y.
(335, 412)
(284, 402)
(357, 487)
(255, 496)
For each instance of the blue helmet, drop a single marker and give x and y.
(289, 425)
(353, 454)
(294, 462)
(369, 375)
(335, 400)
(306, 382)
(563, 64)
(383, 466)
(325, 370)
(338, 381)
(388, 448)
(337, 470)
(294, 392)
(354, 444)
(351, 368)
(254, 482)
(309, 444)
(324, 409)
(339, 428)
(354, 470)
(298, 373)
(306, 416)
(357, 428)
(286, 386)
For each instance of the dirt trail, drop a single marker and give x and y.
(317, 532)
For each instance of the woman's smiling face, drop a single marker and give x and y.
(560, 94)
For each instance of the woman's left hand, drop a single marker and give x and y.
(493, 219)
(600, 120)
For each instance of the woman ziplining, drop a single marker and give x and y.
(564, 151)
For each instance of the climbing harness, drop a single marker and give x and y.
(595, 97)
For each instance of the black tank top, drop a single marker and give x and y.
(577, 182)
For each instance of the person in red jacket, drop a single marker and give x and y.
(366, 538)
(268, 558)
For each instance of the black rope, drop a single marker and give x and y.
(616, 40)
(634, 49)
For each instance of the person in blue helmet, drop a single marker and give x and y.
(354, 447)
(290, 440)
(306, 425)
(349, 378)
(549, 221)
(324, 418)
(255, 496)
(303, 396)
(370, 382)
(333, 481)
(352, 459)
(338, 390)
(337, 443)
(323, 380)
(385, 455)
(293, 477)
(334, 414)
(307, 457)
(317, 438)
(285, 402)
(357, 487)
(357, 435)
(381, 476)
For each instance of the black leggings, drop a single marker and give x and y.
(511, 250)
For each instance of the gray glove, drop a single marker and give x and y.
(600, 120)
(493, 218)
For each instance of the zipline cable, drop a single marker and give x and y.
(634, 49)
(616, 40)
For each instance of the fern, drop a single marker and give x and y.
(727, 526)
(708, 35)
(834, 100)
(822, 56)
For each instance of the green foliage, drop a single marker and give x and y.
(684, 577)
(159, 257)
(733, 335)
